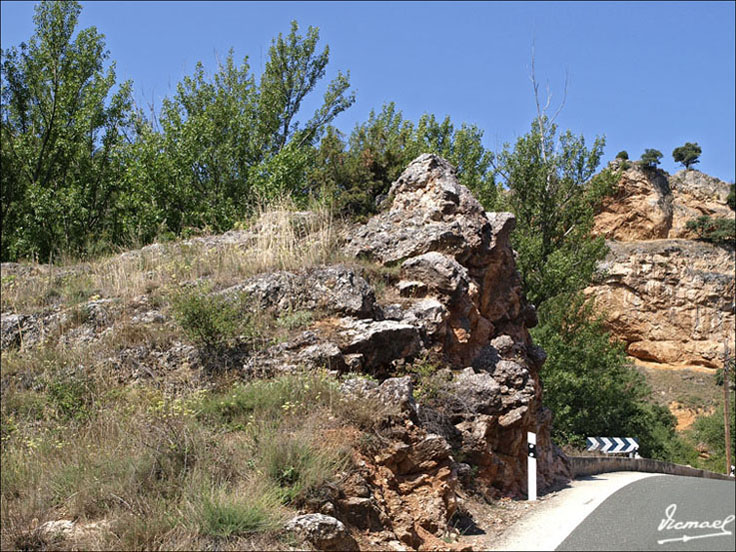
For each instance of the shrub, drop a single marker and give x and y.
(688, 154)
(622, 155)
(213, 321)
(720, 231)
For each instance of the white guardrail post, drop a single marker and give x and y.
(532, 467)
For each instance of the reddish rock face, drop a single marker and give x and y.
(668, 296)
(454, 253)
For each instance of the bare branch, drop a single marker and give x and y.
(564, 97)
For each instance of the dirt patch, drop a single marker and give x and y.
(482, 523)
(686, 416)
(665, 366)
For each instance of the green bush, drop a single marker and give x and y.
(589, 384)
(651, 157)
(721, 231)
(622, 155)
(212, 321)
(710, 430)
(71, 397)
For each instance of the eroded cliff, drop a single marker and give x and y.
(668, 296)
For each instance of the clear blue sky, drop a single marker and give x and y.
(644, 74)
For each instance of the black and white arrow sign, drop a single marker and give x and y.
(612, 444)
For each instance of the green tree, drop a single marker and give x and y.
(623, 154)
(589, 385)
(550, 187)
(651, 157)
(731, 199)
(223, 143)
(361, 169)
(64, 139)
(688, 154)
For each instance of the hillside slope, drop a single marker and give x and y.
(199, 394)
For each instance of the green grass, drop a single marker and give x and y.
(167, 471)
(224, 512)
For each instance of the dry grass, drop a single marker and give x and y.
(165, 464)
(163, 471)
(278, 238)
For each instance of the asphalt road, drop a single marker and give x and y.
(661, 513)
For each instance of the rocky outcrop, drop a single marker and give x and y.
(639, 209)
(457, 299)
(694, 194)
(458, 257)
(666, 295)
(670, 301)
(649, 204)
(452, 301)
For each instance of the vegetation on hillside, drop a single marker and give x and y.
(85, 171)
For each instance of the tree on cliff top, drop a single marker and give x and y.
(651, 157)
(688, 154)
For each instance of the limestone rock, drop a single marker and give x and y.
(380, 342)
(334, 289)
(461, 289)
(398, 392)
(640, 209)
(666, 295)
(324, 532)
(694, 194)
(670, 301)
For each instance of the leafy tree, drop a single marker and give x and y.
(222, 143)
(361, 169)
(711, 431)
(553, 193)
(591, 388)
(64, 139)
(622, 155)
(551, 186)
(651, 157)
(688, 154)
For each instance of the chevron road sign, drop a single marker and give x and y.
(612, 445)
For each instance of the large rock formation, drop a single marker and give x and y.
(458, 263)
(669, 297)
(649, 204)
(452, 299)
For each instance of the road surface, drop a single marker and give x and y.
(629, 511)
(661, 513)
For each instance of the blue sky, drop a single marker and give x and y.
(644, 74)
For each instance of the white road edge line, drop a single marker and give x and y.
(578, 500)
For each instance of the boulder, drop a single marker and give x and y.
(332, 289)
(322, 531)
